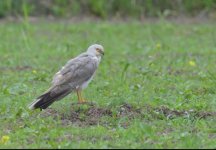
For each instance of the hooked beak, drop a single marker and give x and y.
(102, 53)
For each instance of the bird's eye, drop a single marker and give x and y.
(98, 49)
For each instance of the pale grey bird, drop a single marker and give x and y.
(74, 76)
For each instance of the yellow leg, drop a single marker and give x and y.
(80, 98)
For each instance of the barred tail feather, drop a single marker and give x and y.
(47, 99)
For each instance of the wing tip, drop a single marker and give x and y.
(32, 105)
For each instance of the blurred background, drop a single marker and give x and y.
(105, 9)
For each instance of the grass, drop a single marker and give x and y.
(163, 71)
(106, 9)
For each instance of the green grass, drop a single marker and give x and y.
(146, 65)
(105, 9)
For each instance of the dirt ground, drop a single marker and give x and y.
(92, 114)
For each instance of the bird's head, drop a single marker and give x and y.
(96, 50)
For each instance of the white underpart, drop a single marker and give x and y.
(85, 84)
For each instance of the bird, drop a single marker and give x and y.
(74, 76)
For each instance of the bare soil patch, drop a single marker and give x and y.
(92, 115)
(16, 68)
(169, 114)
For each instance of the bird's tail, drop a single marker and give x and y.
(47, 99)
